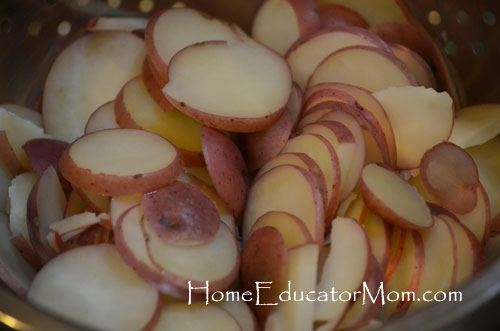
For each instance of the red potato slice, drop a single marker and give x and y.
(360, 314)
(46, 205)
(301, 276)
(25, 113)
(264, 259)
(345, 272)
(216, 261)
(308, 52)
(119, 205)
(226, 167)
(44, 152)
(136, 109)
(295, 105)
(279, 23)
(171, 30)
(88, 73)
(319, 111)
(102, 118)
(393, 199)
(154, 88)
(487, 161)
(5, 180)
(225, 215)
(242, 313)
(15, 272)
(406, 35)
(440, 268)
(450, 175)
(300, 160)
(132, 246)
(374, 11)
(344, 152)
(181, 214)
(475, 125)
(319, 97)
(479, 219)
(368, 67)
(260, 147)
(117, 24)
(8, 157)
(289, 189)
(201, 173)
(198, 88)
(332, 15)
(196, 317)
(366, 100)
(292, 229)
(417, 65)
(469, 252)
(404, 270)
(120, 162)
(18, 132)
(323, 153)
(410, 109)
(97, 203)
(111, 297)
(18, 194)
(23, 247)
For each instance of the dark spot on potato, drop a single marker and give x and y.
(137, 176)
(182, 104)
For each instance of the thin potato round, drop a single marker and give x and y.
(119, 162)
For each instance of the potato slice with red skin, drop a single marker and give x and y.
(332, 15)
(242, 313)
(417, 65)
(479, 219)
(99, 163)
(295, 105)
(290, 189)
(320, 110)
(154, 88)
(46, 205)
(451, 176)
(181, 214)
(163, 38)
(393, 199)
(262, 146)
(26, 113)
(102, 118)
(112, 296)
(44, 152)
(264, 259)
(218, 101)
(292, 229)
(135, 108)
(323, 153)
(279, 23)
(369, 67)
(97, 203)
(308, 52)
(226, 167)
(8, 157)
(24, 248)
(323, 95)
(117, 24)
(475, 125)
(300, 160)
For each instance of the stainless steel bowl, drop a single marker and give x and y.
(32, 32)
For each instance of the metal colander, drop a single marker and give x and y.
(33, 32)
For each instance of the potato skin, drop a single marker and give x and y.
(227, 168)
(113, 185)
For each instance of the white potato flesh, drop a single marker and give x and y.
(179, 28)
(19, 192)
(242, 80)
(211, 261)
(343, 271)
(14, 270)
(478, 219)
(292, 229)
(242, 313)
(25, 113)
(420, 118)
(367, 67)
(276, 25)
(195, 317)
(122, 152)
(74, 222)
(94, 287)
(283, 188)
(418, 67)
(88, 73)
(19, 131)
(476, 125)
(393, 193)
(103, 118)
(118, 24)
(119, 205)
(308, 55)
